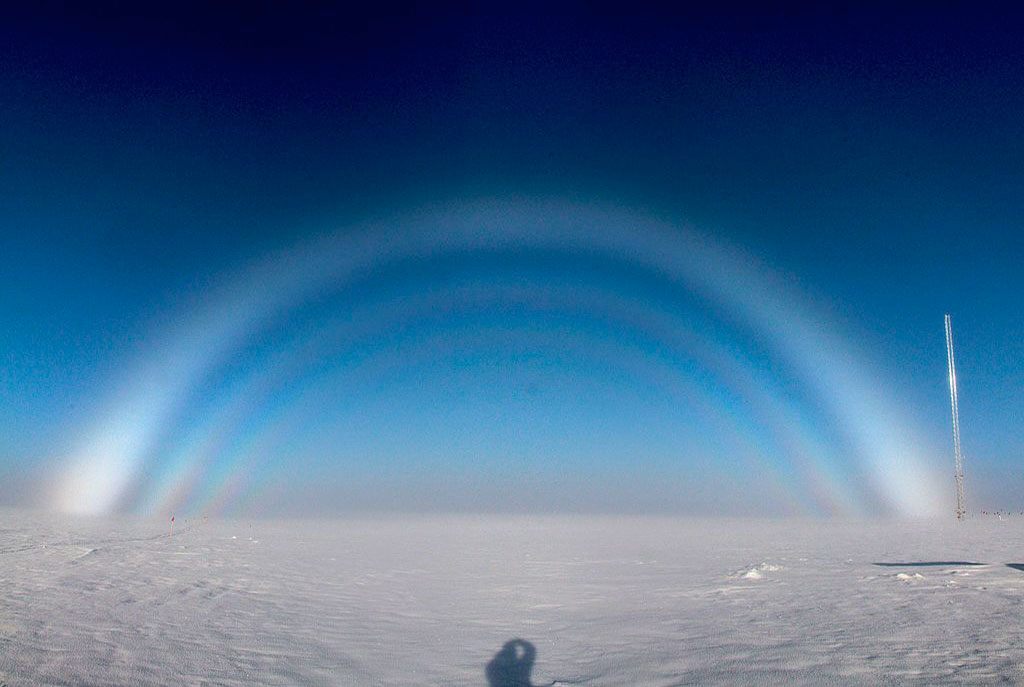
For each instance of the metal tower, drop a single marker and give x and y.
(961, 509)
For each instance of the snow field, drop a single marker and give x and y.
(432, 601)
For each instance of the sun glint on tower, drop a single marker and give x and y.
(961, 509)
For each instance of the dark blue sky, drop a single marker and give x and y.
(871, 160)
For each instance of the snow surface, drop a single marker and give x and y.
(509, 601)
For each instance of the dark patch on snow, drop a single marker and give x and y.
(925, 564)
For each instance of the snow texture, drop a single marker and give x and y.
(509, 602)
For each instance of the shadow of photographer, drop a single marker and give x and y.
(512, 665)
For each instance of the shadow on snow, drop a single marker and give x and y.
(925, 564)
(512, 665)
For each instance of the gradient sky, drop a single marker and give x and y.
(314, 261)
